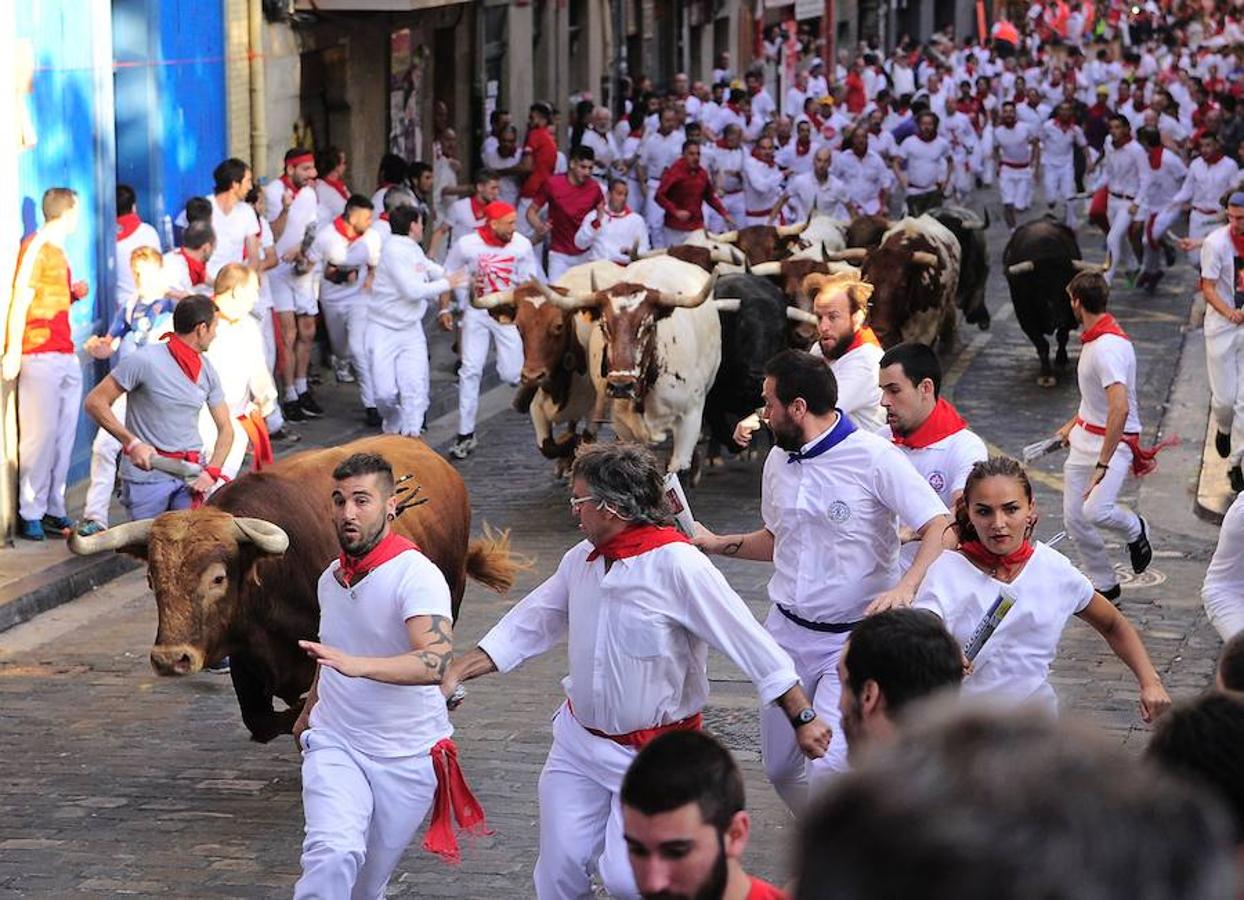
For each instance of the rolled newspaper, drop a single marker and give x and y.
(179, 468)
(989, 624)
(683, 520)
(1041, 448)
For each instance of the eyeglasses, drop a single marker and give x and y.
(576, 502)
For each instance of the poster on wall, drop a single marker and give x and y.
(406, 70)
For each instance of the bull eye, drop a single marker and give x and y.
(218, 580)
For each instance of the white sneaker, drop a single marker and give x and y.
(462, 447)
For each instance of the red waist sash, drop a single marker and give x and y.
(1144, 459)
(640, 738)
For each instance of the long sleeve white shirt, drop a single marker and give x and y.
(638, 636)
(331, 247)
(1164, 182)
(614, 237)
(1127, 169)
(1204, 185)
(405, 281)
(762, 184)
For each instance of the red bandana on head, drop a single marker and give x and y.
(1107, 324)
(345, 231)
(197, 268)
(353, 569)
(942, 422)
(127, 225)
(983, 556)
(338, 186)
(864, 336)
(189, 360)
(637, 539)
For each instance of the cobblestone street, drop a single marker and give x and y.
(117, 781)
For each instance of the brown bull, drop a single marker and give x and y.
(706, 258)
(866, 231)
(915, 273)
(238, 577)
(764, 243)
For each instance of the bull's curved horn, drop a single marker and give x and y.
(688, 301)
(1021, 268)
(721, 256)
(263, 534)
(565, 301)
(113, 538)
(972, 223)
(591, 282)
(723, 268)
(794, 230)
(493, 300)
(851, 254)
(795, 314)
(767, 269)
(648, 254)
(633, 250)
(728, 305)
(726, 237)
(921, 258)
(1082, 265)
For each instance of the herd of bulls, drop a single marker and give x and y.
(676, 342)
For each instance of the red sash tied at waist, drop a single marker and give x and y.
(644, 736)
(1144, 459)
(453, 798)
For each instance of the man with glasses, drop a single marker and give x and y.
(646, 607)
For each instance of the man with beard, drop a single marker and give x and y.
(1018, 155)
(637, 607)
(685, 823)
(840, 303)
(890, 661)
(928, 172)
(685, 189)
(374, 732)
(832, 499)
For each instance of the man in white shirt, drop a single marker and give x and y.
(1210, 176)
(467, 213)
(1223, 589)
(1018, 155)
(762, 103)
(958, 129)
(638, 606)
(928, 161)
(840, 303)
(818, 191)
(613, 230)
(1127, 173)
(1104, 436)
(374, 732)
(599, 136)
(1166, 175)
(185, 269)
(504, 159)
(863, 176)
(330, 186)
(657, 153)
(233, 220)
(832, 498)
(725, 162)
(132, 233)
(1222, 268)
(1059, 138)
(762, 183)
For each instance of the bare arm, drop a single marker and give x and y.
(432, 647)
(253, 256)
(754, 545)
(224, 434)
(1127, 646)
(304, 717)
(1227, 310)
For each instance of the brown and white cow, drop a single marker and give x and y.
(764, 243)
(238, 577)
(915, 273)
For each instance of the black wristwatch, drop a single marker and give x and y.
(803, 717)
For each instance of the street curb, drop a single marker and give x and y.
(59, 583)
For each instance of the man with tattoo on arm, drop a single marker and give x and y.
(832, 497)
(638, 607)
(374, 732)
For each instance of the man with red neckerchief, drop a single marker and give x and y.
(684, 190)
(613, 230)
(929, 168)
(132, 233)
(840, 303)
(1222, 283)
(538, 161)
(374, 732)
(762, 184)
(331, 191)
(1104, 436)
(638, 606)
(467, 213)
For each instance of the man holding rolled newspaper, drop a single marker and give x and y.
(166, 384)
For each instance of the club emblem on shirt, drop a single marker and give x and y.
(937, 481)
(839, 512)
(497, 271)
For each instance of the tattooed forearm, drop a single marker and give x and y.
(436, 663)
(732, 548)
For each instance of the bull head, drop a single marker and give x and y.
(195, 564)
(500, 305)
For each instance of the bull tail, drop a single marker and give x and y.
(491, 562)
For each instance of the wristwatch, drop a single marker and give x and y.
(803, 717)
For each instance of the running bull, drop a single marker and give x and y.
(915, 274)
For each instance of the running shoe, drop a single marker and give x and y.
(309, 406)
(463, 445)
(1139, 549)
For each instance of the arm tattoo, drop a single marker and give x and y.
(438, 648)
(732, 548)
(441, 631)
(436, 663)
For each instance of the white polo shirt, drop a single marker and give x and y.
(1015, 662)
(857, 373)
(1218, 265)
(834, 520)
(369, 619)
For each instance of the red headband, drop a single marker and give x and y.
(498, 209)
(299, 160)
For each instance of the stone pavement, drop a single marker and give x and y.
(116, 781)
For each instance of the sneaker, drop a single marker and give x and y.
(30, 529)
(220, 667)
(1112, 594)
(463, 445)
(1236, 477)
(293, 412)
(1222, 444)
(309, 406)
(59, 526)
(344, 375)
(1140, 551)
(284, 436)
(88, 527)
(373, 417)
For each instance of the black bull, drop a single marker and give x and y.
(1040, 260)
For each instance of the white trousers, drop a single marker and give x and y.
(654, 215)
(581, 815)
(1015, 186)
(1118, 212)
(1199, 225)
(361, 814)
(560, 262)
(1084, 517)
(1223, 590)
(1058, 181)
(478, 329)
(399, 377)
(49, 398)
(346, 322)
(1156, 227)
(105, 451)
(815, 655)
(1224, 359)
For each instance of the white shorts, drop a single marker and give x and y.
(1015, 186)
(292, 293)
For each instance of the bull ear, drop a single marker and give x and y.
(263, 534)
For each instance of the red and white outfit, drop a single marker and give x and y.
(726, 166)
(132, 233)
(1222, 262)
(863, 178)
(331, 195)
(182, 272)
(637, 634)
(857, 373)
(344, 305)
(612, 236)
(291, 292)
(376, 755)
(1058, 175)
(568, 204)
(795, 157)
(1127, 173)
(237, 355)
(542, 149)
(502, 266)
(1204, 187)
(762, 188)
(1166, 174)
(1016, 175)
(1014, 665)
(833, 509)
(688, 190)
(1223, 590)
(464, 216)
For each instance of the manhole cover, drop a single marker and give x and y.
(1131, 581)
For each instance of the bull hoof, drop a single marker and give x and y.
(273, 726)
(984, 321)
(1061, 360)
(1047, 381)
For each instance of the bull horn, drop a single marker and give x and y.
(633, 251)
(113, 538)
(851, 254)
(726, 237)
(973, 223)
(794, 230)
(723, 268)
(721, 256)
(1021, 268)
(648, 254)
(565, 301)
(1081, 265)
(921, 258)
(767, 269)
(728, 305)
(269, 538)
(688, 301)
(493, 300)
(795, 314)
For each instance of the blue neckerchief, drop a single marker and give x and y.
(839, 433)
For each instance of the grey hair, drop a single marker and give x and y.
(398, 196)
(626, 480)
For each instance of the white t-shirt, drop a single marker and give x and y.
(1015, 662)
(834, 519)
(926, 162)
(1015, 143)
(301, 216)
(232, 230)
(1108, 360)
(1057, 143)
(1224, 580)
(369, 619)
(1218, 265)
(859, 389)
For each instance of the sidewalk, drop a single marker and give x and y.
(36, 577)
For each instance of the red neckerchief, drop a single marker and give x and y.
(345, 231)
(353, 568)
(189, 360)
(722, 145)
(1121, 144)
(453, 796)
(802, 147)
(636, 539)
(864, 336)
(1213, 160)
(983, 556)
(942, 422)
(197, 268)
(285, 180)
(1065, 126)
(626, 211)
(817, 122)
(490, 237)
(756, 156)
(1107, 324)
(734, 107)
(384, 217)
(127, 225)
(260, 440)
(338, 186)
(637, 133)
(1155, 157)
(477, 208)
